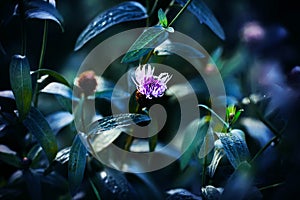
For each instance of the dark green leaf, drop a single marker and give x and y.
(162, 18)
(116, 121)
(77, 163)
(56, 76)
(204, 15)
(39, 127)
(148, 40)
(9, 157)
(127, 11)
(194, 137)
(235, 147)
(43, 10)
(20, 81)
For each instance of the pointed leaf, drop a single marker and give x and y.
(39, 127)
(9, 157)
(194, 137)
(59, 89)
(43, 10)
(77, 163)
(116, 121)
(235, 147)
(20, 81)
(56, 76)
(148, 40)
(127, 11)
(162, 18)
(204, 15)
(104, 131)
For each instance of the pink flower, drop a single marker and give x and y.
(148, 84)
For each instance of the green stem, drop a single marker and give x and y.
(214, 113)
(41, 61)
(23, 27)
(148, 57)
(264, 148)
(95, 189)
(271, 186)
(180, 12)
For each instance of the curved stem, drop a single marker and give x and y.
(215, 114)
(41, 61)
(180, 12)
(264, 148)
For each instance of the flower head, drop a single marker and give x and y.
(87, 82)
(148, 84)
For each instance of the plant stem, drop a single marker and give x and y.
(264, 148)
(41, 61)
(148, 57)
(95, 189)
(271, 186)
(180, 12)
(23, 27)
(170, 5)
(214, 113)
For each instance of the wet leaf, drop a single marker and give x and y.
(127, 11)
(20, 80)
(235, 147)
(39, 127)
(104, 131)
(77, 161)
(9, 157)
(148, 40)
(204, 15)
(116, 121)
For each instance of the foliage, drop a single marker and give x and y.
(50, 141)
